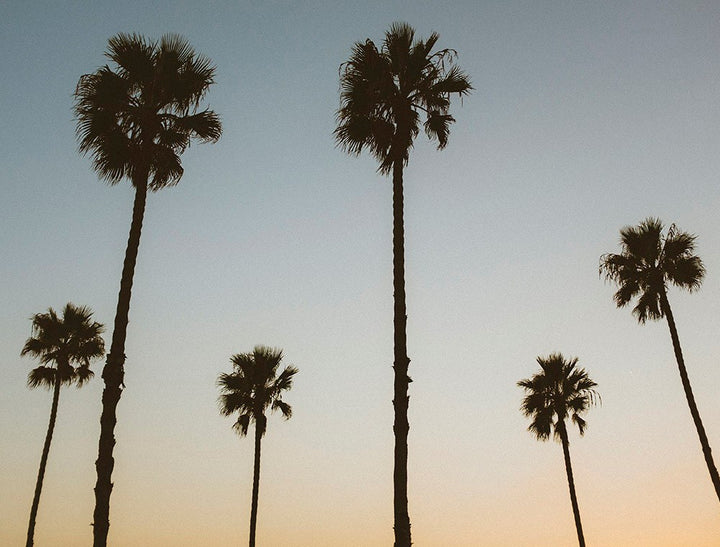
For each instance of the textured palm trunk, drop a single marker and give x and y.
(401, 382)
(113, 376)
(43, 462)
(707, 452)
(256, 485)
(571, 482)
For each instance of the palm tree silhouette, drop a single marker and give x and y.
(648, 262)
(135, 121)
(64, 346)
(384, 91)
(558, 392)
(252, 388)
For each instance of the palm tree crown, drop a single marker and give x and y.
(254, 386)
(384, 91)
(648, 261)
(59, 343)
(136, 120)
(559, 391)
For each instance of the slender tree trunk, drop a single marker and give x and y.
(114, 374)
(43, 462)
(256, 484)
(571, 482)
(402, 380)
(707, 452)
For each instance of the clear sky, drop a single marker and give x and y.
(586, 117)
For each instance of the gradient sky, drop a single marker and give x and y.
(586, 117)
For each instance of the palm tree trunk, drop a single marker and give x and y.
(113, 375)
(402, 380)
(43, 462)
(707, 452)
(571, 482)
(256, 484)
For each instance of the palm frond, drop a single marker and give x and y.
(82, 375)
(242, 424)
(166, 169)
(205, 126)
(42, 377)
(133, 55)
(542, 424)
(285, 380)
(687, 272)
(580, 423)
(643, 241)
(40, 348)
(454, 81)
(682, 267)
(648, 306)
(437, 126)
(397, 45)
(678, 244)
(283, 407)
(627, 291)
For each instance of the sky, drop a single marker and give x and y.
(585, 117)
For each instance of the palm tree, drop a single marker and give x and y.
(384, 92)
(252, 388)
(648, 262)
(135, 120)
(64, 346)
(559, 391)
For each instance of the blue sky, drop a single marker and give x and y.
(586, 117)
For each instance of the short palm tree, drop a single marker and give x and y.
(384, 92)
(135, 120)
(648, 262)
(560, 391)
(250, 389)
(65, 346)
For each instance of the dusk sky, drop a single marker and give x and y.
(585, 117)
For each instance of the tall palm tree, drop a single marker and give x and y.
(560, 391)
(64, 346)
(135, 120)
(384, 92)
(250, 389)
(648, 262)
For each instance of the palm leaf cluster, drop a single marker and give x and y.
(385, 90)
(136, 119)
(64, 345)
(254, 386)
(648, 261)
(560, 391)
